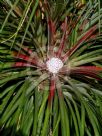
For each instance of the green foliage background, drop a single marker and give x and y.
(24, 91)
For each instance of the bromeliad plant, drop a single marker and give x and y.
(50, 68)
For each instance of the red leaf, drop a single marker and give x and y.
(86, 72)
(58, 54)
(90, 68)
(51, 27)
(51, 33)
(82, 40)
(33, 60)
(21, 64)
(28, 50)
(91, 71)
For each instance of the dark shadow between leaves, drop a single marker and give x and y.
(10, 131)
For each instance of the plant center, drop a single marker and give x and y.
(54, 65)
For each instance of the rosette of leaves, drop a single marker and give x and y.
(33, 100)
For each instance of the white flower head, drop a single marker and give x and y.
(54, 65)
